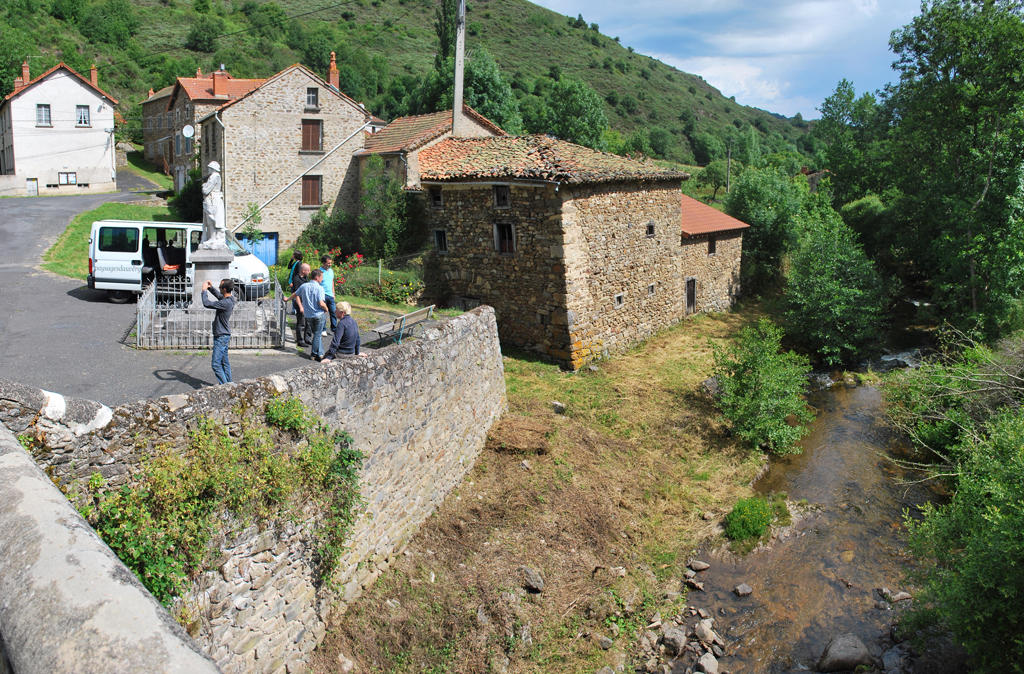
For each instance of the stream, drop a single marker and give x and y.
(821, 580)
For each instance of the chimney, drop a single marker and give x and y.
(19, 84)
(332, 77)
(150, 93)
(220, 82)
(93, 77)
(199, 73)
(459, 124)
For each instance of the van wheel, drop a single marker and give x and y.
(119, 296)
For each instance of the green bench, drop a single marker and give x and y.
(403, 325)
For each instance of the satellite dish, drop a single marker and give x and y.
(188, 131)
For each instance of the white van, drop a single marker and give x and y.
(126, 256)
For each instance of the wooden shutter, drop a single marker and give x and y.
(311, 190)
(311, 135)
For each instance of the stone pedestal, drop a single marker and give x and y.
(209, 265)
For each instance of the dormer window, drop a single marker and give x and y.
(502, 196)
(312, 97)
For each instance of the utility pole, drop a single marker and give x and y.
(728, 167)
(458, 121)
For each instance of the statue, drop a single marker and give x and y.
(213, 210)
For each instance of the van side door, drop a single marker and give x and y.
(118, 261)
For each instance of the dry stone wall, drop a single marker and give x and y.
(420, 412)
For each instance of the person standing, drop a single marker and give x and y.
(346, 336)
(315, 310)
(294, 265)
(224, 305)
(328, 285)
(301, 276)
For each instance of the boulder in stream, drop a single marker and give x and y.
(742, 590)
(675, 641)
(844, 653)
(698, 565)
(708, 664)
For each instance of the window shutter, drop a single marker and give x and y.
(497, 240)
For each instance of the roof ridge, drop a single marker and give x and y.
(65, 66)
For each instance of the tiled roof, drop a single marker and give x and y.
(700, 219)
(306, 71)
(408, 133)
(201, 88)
(535, 157)
(58, 67)
(166, 91)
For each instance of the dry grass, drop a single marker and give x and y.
(623, 479)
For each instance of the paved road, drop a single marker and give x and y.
(58, 335)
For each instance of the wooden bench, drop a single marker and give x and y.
(397, 328)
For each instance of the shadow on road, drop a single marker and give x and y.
(179, 376)
(86, 294)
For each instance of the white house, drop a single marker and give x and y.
(57, 135)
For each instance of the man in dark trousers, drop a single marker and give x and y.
(303, 337)
(224, 305)
(346, 335)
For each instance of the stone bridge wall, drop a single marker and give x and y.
(420, 412)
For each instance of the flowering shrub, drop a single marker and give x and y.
(749, 518)
(342, 267)
(390, 289)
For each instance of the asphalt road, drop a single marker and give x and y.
(58, 335)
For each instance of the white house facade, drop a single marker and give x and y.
(57, 135)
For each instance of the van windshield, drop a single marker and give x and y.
(233, 244)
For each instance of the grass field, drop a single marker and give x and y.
(69, 255)
(137, 164)
(623, 479)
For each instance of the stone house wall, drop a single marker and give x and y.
(157, 124)
(419, 411)
(717, 275)
(186, 111)
(260, 151)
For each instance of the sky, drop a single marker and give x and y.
(783, 56)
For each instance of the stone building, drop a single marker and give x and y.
(157, 130)
(401, 141)
(57, 135)
(581, 253)
(288, 143)
(191, 99)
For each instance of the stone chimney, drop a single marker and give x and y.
(199, 73)
(93, 77)
(220, 83)
(332, 76)
(150, 93)
(20, 82)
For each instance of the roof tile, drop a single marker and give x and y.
(700, 219)
(407, 133)
(60, 65)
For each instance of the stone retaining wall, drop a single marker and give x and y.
(420, 413)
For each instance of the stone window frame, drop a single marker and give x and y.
(650, 229)
(499, 240)
(312, 99)
(712, 246)
(441, 237)
(436, 197)
(307, 138)
(620, 300)
(503, 191)
(651, 289)
(306, 200)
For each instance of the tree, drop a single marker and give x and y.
(761, 387)
(714, 176)
(385, 221)
(204, 32)
(661, 140)
(445, 26)
(849, 126)
(748, 146)
(834, 297)
(68, 10)
(708, 147)
(113, 21)
(484, 89)
(15, 47)
(638, 143)
(576, 113)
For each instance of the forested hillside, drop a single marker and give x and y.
(386, 49)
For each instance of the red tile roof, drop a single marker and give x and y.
(535, 157)
(700, 219)
(201, 88)
(57, 67)
(166, 91)
(408, 133)
(303, 69)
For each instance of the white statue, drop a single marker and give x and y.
(213, 210)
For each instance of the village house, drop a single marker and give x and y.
(57, 135)
(581, 253)
(289, 144)
(401, 141)
(157, 130)
(191, 99)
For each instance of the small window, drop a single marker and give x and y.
(712, 246)
(82, 115)
(312, 97)
(650, 229)
(441, 240)
(177, 143)
(311, 190)
(43, 115)
(504, 238)
(119, 239)
(436, 198)
(650, 289)
(620, 300)
(502, 198)
(312, 135)
(67, 178)
(387, 163)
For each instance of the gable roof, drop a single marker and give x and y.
(85, 80)
(163, 93)
(701, 220)
(533, 157)
(405, 134)
(306, 71)
(201, 88)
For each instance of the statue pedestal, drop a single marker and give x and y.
(210, 265)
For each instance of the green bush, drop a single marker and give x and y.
(750, 518)
(391, 290)
(761, 388)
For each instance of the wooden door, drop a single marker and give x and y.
(691, 295)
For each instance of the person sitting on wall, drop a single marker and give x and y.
(346, 334)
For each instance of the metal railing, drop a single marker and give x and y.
(167, 319)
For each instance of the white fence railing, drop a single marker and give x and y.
(167, 319)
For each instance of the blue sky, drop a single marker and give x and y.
(784, 56)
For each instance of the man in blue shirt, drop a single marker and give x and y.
(314, 308)
(327, 283)
(224, 305)
(346, 337)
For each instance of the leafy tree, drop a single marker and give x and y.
(576, 113)
(68, 10)
(834, 297)
(849, 126)
(760, 388)
(445, 26)
(638, 143)
(484, 89)
(707, 147)
(204, 32)
(188, 203)
(113, 21)
(714, 176)
(661, 140)
(748, 146)
(870, 218)
(384, 219)
(15, 46)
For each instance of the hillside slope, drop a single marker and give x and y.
(384, 49)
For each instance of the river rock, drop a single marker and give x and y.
(557, 407)
(894, 658)
(900, 596)
(742, 590)
(534, 581)
(711, 387)
(698, 565)
(695, 584)
(844, 653)
(708, 664)
(703, 632)
(675, 641)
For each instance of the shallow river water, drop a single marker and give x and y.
(822, 580)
